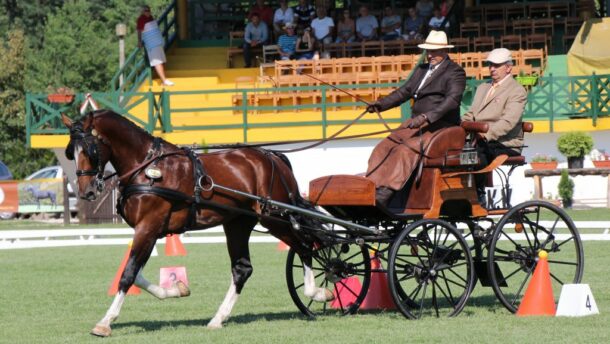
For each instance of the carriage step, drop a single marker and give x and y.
(482, 272)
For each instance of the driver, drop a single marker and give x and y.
(436, 89)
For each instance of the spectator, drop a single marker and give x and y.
(255, 36)
(305, 46)
(366, 25)
(150, 37)
(323, 27)
(304, 14)
(265, 13)
(346, 28)
(424, 8)
(414, 25)
(282, 17)
(437, 20)
(445, 6)
(287, 42)
(390, 25)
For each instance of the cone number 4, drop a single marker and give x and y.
(588, 303)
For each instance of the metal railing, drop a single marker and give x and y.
(552, 99)
(136, 69)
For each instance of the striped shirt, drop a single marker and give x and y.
(287, 43)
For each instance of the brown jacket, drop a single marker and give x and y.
(503, 111)
(395, 158)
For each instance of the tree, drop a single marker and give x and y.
(20, 159)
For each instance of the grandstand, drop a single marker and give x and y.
(216, 100)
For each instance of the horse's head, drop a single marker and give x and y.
(90, 153)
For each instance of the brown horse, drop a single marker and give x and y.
(169, 190)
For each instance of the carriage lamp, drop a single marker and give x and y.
(121, 32)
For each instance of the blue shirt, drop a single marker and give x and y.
(258, 33)
(287, 44)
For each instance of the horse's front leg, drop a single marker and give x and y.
(311, 290)
(141, 249)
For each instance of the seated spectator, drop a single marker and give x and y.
(255, 36)
(323, 27)
(265, 13)
(390, 25)
(424, 8)
(346, 28)
(437, 20)
(366, 25)
(304, 14)
(283, 16)
(305, 46)
(414, 25)
(287, 43)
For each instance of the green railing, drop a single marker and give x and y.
(552, 99)
(136, 69)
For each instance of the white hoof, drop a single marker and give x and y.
(101, 331)
(323, 295)
(214, 325)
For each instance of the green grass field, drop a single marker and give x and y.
(57, 295)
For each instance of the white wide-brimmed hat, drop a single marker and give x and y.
(498, 56)
(436, 40)
(289, 26)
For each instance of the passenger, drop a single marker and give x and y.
(436, 88)
(500, 103)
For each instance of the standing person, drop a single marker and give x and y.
(150, 37)
(323, 27)
(287, 43)
(304, 14)
(436, 88)
(390, 25)
(255, 36)
(283, 16)
(500, 103)
(346, 28)
(366, 25)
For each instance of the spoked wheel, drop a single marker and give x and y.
(431, 272)
(519, 236)
(343, 269)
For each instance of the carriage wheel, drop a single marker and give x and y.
(431, 272)
(344, 269)
(520, 235)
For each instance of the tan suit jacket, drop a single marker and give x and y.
(503, 111)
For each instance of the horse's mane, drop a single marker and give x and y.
(99, 114)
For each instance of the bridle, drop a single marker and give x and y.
(89, 141)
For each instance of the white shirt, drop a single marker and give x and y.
(431, 70)
(321, 27)
(283, 16)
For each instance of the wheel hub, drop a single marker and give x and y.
(336, 270)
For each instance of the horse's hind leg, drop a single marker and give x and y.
(237, 232)
(140, 252)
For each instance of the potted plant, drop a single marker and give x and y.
(600, 159)
(543, 162)
(566, 189)
(526, 80)
(61, 95)
(574, 146)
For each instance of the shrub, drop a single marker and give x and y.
(575, 144)
(543, 158)
(566, 189)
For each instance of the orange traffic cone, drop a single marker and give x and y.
(378, 296)
(538, 298)
(282, 246)
(346, 292)
(173, 246)
(114, 287)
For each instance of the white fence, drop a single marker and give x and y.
(121, 236)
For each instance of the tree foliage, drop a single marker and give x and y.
(56, 43)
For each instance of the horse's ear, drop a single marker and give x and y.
(67, 121)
